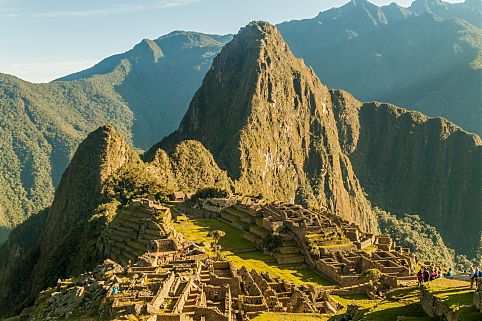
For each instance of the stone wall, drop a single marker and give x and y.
(158, 299)
(478, 297)
(184, 296)
(434, 306)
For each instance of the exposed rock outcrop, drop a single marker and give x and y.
(410, 163)
(268, 120)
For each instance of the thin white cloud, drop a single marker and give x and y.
(45, 71)
(5, 12)
(162, 4)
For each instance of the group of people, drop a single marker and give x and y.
(475, 277)
(432, 273)
(429, 274)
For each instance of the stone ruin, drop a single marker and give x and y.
(170, 279)
(145, 226)
(478, 296)
(84, 294)
(334, 247)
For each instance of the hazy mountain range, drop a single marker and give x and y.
(425, 57)
(261, 123)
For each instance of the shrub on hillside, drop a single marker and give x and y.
(421, 238)
(132, 182)
(209, 192)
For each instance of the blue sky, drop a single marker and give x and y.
(45, 39)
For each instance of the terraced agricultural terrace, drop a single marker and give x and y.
(162, 265)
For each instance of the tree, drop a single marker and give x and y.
(216, 235)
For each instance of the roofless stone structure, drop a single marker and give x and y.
(171, 279)
(334, 247)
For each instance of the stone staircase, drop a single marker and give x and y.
(192, 300)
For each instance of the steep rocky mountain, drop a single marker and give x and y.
(268, 120)
(40, 127)
(63, 232)
(410, 163)
(104, 175)
(143, 93)
(423, 57)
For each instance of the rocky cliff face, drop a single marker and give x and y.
(424, 57)
(268, 120)
(410, 163)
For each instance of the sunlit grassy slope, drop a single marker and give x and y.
(270, 316)
(244, 253)
(458, 296)
(402, 302)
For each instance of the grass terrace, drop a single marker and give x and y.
(403, 302)
(244, 253)
(271, 316)
(457, 295)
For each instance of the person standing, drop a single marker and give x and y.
(420, 277)
(449, 273)
(474, 277)
(426, 275)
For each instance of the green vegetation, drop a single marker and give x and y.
(197, 230)
(403, 302)
(422, 239)
(194, 168)
(273, 316)
(426, 166)
(209, 192)
(457, 296)
(133, 182)
(242, 252)
(41, 125)
(406, 302)
(407, 57)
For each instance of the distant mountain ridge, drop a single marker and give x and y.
(143, 93)
(265, 126)
(423, 57)
(162, 76)
(405, 56)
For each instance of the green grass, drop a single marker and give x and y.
(457, 295)
(404, 302)
(271, 316)
(197, 230)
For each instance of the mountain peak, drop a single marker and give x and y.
(103, 153)
(267, 119)
(257, 31)
(357, 3)
(259, 25)
(147, 49)
(180, 39)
